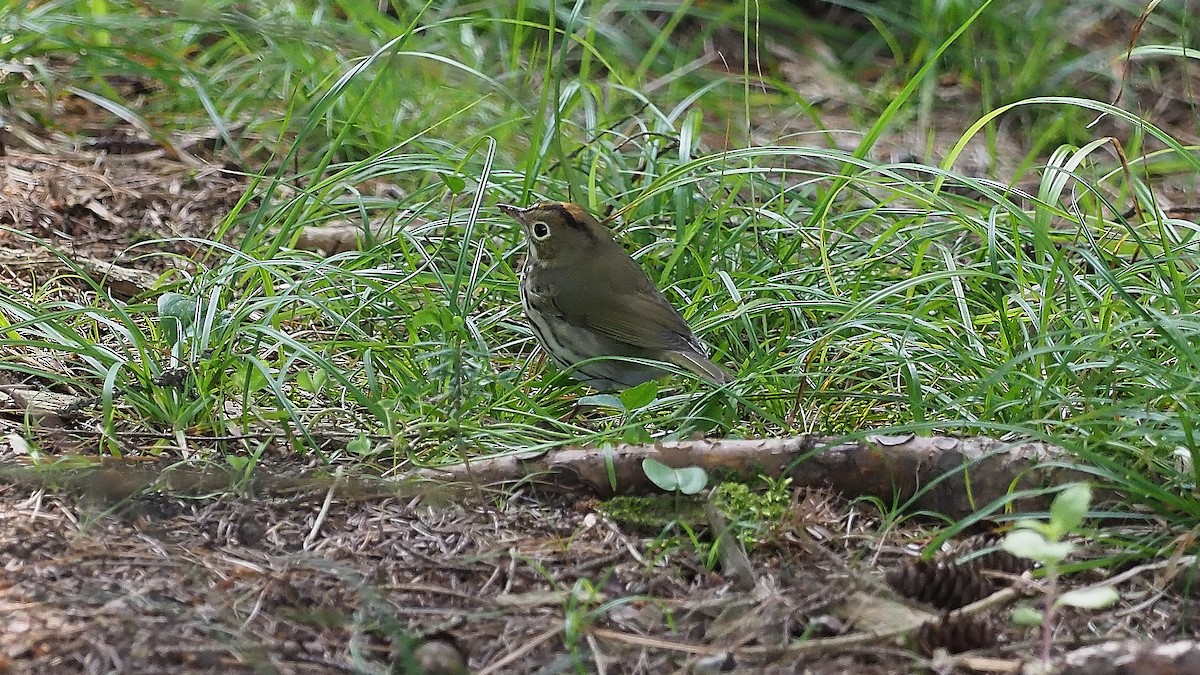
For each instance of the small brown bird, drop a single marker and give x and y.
(585, 298)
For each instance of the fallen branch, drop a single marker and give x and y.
(1130, 656)
(122, 282)
(954, 476)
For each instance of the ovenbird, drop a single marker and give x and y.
(585, 297)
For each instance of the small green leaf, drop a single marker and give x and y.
(21, 446)
(177, 306)
(1032, 545)
(640, 396)
(1030, 524)
(691, 479)
(453, 183)
(432, 316)
(176, 314)
(359, 446)
(1069, 508)
(249, 379)
(1020, 542)
(601, 401)
(1089, 598)
(319, 377)
(1025, 615)
(636, 434)
(660, 474)
(311, 381)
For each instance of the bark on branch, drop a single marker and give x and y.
(954, 476)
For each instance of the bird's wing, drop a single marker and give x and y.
(636, 314)
(643, 320)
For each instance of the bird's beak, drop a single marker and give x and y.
(515, 212)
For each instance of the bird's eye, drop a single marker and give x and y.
(540, 230)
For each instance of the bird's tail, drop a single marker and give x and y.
(700, 365)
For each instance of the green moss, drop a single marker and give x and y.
(651, 515)
(753, 513)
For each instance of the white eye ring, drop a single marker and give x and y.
(540, 230)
